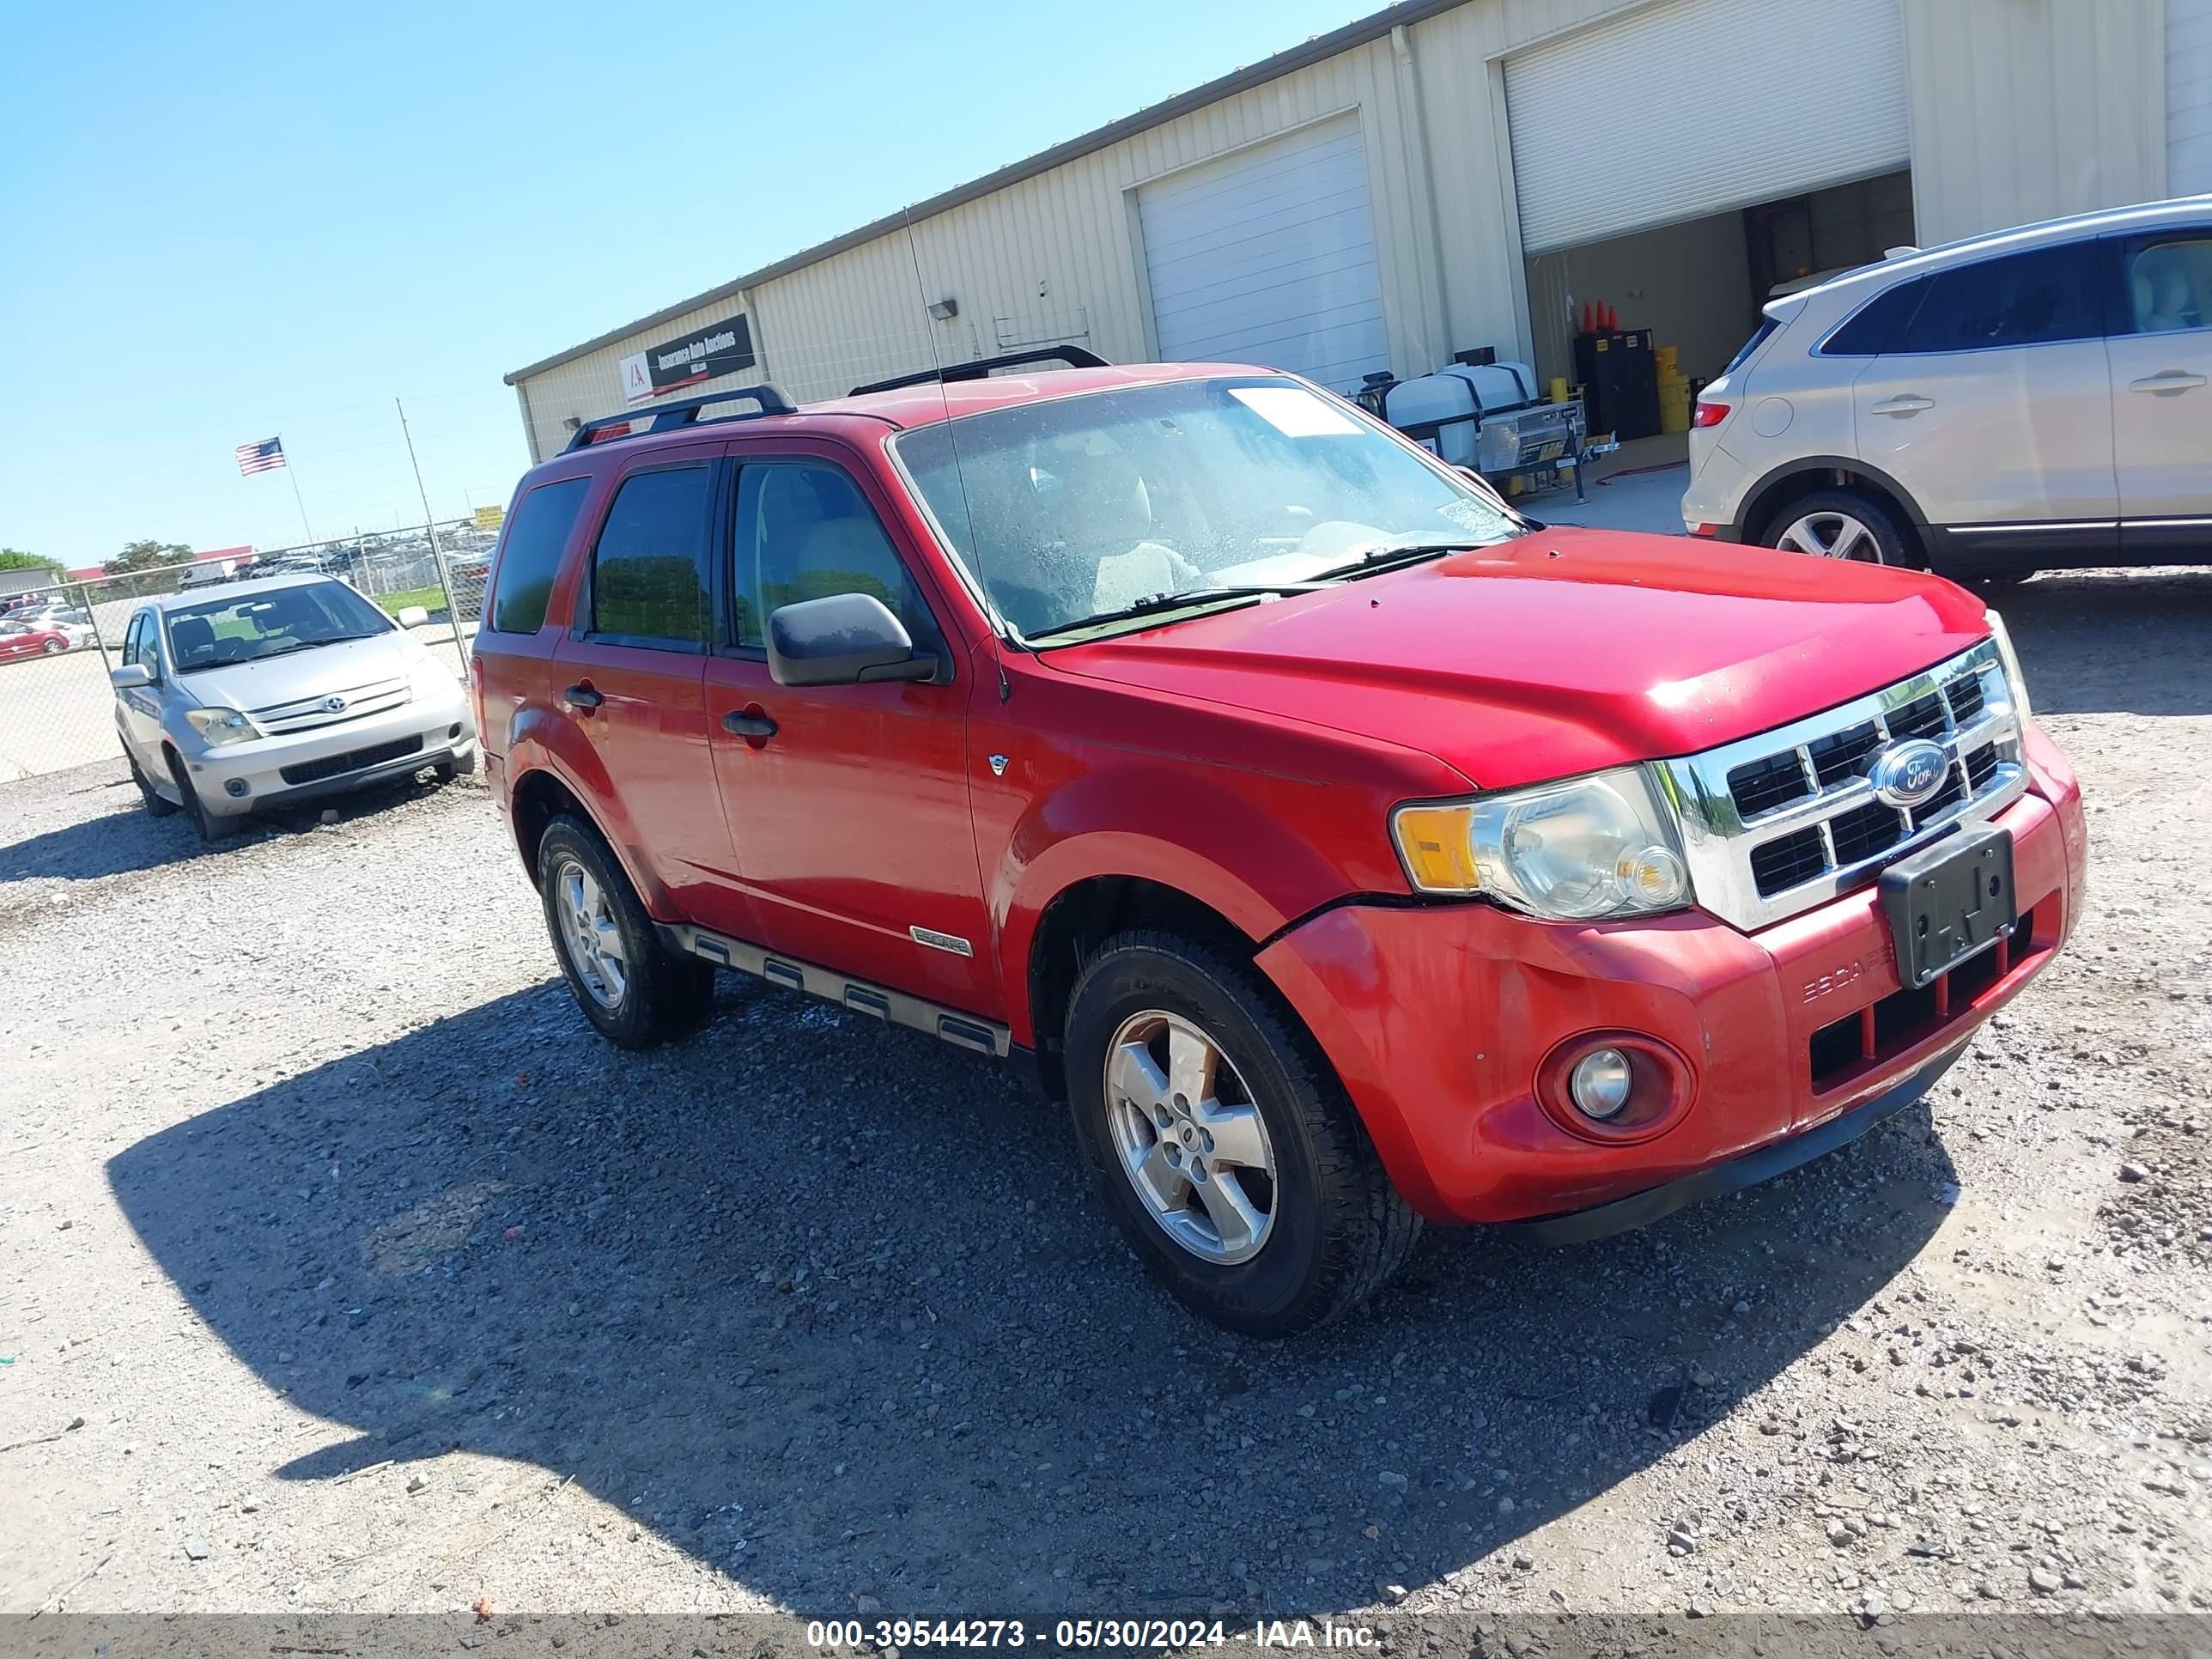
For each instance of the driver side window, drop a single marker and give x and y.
(805, 532)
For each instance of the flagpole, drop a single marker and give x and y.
(430, 529)
(293, 472)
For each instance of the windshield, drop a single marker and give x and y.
(247, 627)
(1070, 510)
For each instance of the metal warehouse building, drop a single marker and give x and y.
(1454, 173)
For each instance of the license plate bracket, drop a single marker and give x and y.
(1948, 901)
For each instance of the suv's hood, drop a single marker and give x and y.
(1561, 652)
(315, 672)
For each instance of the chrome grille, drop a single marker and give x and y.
(1776, 823)
(306, 714)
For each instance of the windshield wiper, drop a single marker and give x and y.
(1381, 556)
(1179, 598)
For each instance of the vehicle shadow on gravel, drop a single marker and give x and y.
(130, 838)
(2115, 642)
(828, 1306)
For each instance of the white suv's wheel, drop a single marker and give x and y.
(1840, 524)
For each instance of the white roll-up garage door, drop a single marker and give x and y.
(1267, 255)
(2188, 97)
(1695, 106)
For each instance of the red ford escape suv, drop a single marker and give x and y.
(1345, 849)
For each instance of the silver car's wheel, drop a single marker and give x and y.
(1190, 1140)
(589, 934)
(1832, 535)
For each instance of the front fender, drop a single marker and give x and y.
(1245, 846)
(540, 741)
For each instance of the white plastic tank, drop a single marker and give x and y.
(1450, 394)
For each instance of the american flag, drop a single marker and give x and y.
(261, 457)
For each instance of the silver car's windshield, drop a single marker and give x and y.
(247, 627)
(1080, 510)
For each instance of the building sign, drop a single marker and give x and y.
(490, 518)
(721, 349)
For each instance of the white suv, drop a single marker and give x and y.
(2031, 400)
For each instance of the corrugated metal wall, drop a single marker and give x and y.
(2033, 109)
(2021, 109)
(1056, 257)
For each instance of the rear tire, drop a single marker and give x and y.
(1261, 1205)
(1841, 524)
(636, 990)
(157, 804)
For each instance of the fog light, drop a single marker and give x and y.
(234, 786)
(1600, 1084)
(454, 730)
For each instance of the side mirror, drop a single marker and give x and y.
(841, 640)
(413, 616)
(131, 674)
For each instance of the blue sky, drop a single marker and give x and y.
(222, 223)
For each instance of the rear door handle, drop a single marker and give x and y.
(738, 724)
(581, 697)
(2165, 380)
(1907, 405)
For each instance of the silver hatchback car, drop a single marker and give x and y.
(2032, 400)
(268, 692)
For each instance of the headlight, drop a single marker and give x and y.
(1597, 847)
(2015, 681)
(220, 726)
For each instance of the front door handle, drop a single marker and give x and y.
(740, 723)
(1905, 405)
(581, 697)
(2167, 380)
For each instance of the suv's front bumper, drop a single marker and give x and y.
(1439, 1018)
(239, 778)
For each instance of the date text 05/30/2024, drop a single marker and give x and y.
(1169, 1635)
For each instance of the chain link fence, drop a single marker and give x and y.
(57, 708)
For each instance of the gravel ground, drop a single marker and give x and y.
(342, 1268)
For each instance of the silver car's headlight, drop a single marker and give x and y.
(1584, 850)
(2015, 682)
(222, 726)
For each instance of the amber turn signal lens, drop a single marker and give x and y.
(1439, 854)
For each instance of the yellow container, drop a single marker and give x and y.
(1665, 356)
(1558, 388)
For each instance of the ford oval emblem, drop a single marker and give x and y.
(1906, 774)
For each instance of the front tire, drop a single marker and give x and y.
(1840, 524)
(211, 827)
(636, 990)
(1222, 1141)
(158, 805)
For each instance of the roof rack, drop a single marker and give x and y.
(669, 417)
(980, 367)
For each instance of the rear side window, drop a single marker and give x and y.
(1880, 323)
(1759, 338)
(531, 558)
(2023, 299)
(649, 569)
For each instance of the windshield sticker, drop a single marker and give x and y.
(1471, 515)
(1293, 412)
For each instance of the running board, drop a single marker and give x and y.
(982, 1037)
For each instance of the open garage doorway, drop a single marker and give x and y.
(1698, 285)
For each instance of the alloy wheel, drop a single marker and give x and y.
(589, 934)
(1191, 1141)
(1831, 535)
